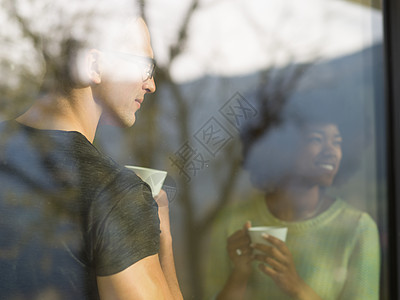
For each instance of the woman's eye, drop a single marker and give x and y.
(338, 143)
(315, 139)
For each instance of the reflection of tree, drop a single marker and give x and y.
(275, 87)
(28, 80)
(15, 98)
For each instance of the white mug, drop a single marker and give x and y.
(154, 178)
(257, 232)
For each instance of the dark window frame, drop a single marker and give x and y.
(391, 12)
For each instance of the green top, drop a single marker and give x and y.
(336, 253)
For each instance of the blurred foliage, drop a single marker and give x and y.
(370, 3)
(14, 101)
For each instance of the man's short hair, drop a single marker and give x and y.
(81, 25)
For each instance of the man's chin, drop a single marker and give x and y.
(107, 119)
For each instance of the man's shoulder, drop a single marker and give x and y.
(67, 153)
(9, 128)
(100, 170)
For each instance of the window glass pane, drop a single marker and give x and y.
(266, 113)
(253, 86)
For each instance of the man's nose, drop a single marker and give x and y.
(149, 85)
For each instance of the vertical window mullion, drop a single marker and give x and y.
(392, 54)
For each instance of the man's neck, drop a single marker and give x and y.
(76, 112)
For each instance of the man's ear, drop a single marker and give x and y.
(93, 66)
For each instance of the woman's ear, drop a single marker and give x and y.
(93, 66)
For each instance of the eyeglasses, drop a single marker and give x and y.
(148, 64)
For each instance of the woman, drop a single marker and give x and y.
(331, 250)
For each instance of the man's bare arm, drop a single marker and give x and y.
(166, 254)
(142, 280)
(153, 277)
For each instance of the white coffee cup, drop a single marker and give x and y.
(154, 178)
(256, 234)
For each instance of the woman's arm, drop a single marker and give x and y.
(364, 266)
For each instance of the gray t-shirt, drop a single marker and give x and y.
(67, 214)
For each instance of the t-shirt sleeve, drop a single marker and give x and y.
(126, 227)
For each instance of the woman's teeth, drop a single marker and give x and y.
(327, 166)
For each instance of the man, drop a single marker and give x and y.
(74, 224)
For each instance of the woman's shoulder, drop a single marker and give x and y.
(349, 213)
(239, 211)
(251, 203)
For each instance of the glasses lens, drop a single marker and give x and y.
(149, 72)
(147, 64)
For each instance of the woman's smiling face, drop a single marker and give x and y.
(319, 154)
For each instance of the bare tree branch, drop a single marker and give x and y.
(176, 49)
(224, 196)
(36, 40)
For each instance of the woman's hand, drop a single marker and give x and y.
(240, 253)
(281, 268)
(239, 250)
